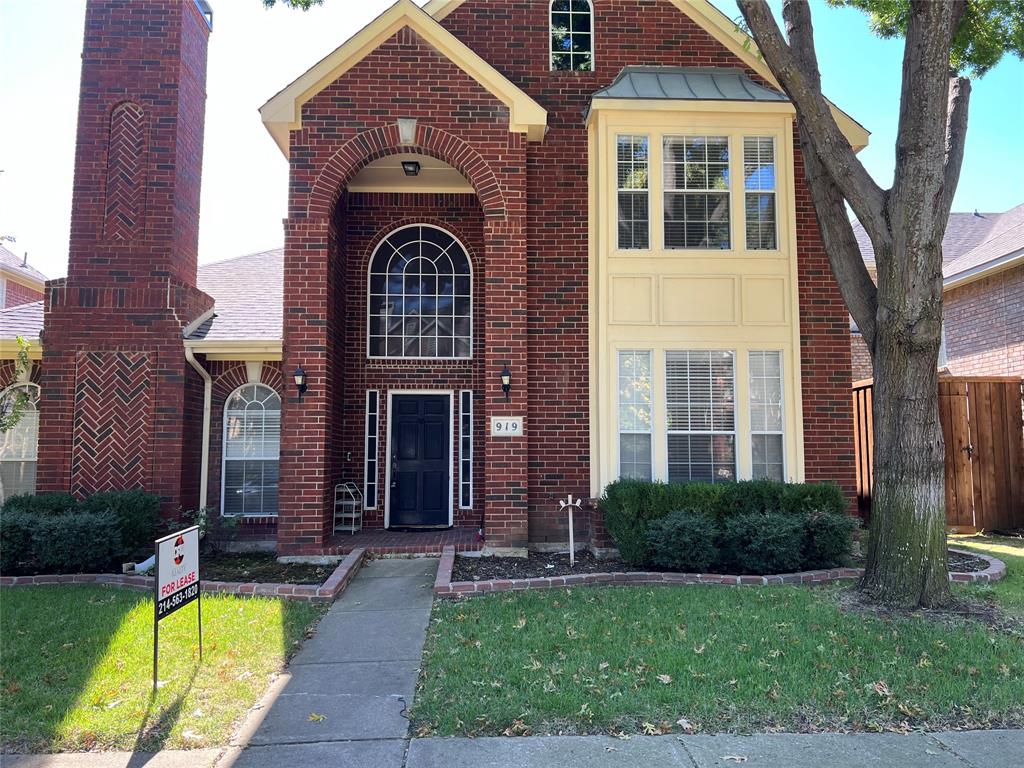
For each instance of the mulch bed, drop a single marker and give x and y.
(540, 564)
(260, 568)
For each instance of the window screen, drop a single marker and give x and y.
(696, 181)
(632, 180)
(759, 192)
(635, 414)
(766, 415)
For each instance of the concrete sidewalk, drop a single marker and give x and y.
(967, 749)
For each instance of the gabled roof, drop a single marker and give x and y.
(725, 31)
(15, 266)
(283, 113)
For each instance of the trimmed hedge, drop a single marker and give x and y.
(54, 533)
(682, 541)
(756, 526)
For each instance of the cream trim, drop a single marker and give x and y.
(283, 113)
(692, 105)
(9, 349)
(236, 349)
(722, 28)
(12, 274)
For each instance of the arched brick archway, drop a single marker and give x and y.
(365, 147)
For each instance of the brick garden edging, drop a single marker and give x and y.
(327, 592)
(445, 587)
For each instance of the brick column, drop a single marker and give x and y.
(505, 458)
(306, 425)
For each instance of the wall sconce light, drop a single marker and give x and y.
(506, 381)
(300, 381)
(411, 167)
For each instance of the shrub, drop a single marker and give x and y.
(16, 533)
(85, 542)
(629, 505)
(682, 541)
(828, 540)
(810, 498)
(137, 514)
(44, 504)
(762, 543)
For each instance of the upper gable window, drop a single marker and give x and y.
(572, 35)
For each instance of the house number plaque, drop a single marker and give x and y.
(506, 426)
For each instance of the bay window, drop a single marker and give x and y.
(759, 192)
(632, 174)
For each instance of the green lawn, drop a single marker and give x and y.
(640, 659)
(76, 667)
(1008, 593)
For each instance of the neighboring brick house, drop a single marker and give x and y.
(20, 282)
(982, 296)
(531, 247)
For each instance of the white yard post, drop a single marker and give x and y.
(569, 504)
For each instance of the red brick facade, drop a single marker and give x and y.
(130, 290)
(112, 349)
(17, 294)
(984, 322)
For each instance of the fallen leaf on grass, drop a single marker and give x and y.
(685, 724)
(664, 679)
(316, 717)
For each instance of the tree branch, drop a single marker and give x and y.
(956, 137)
(801, 81)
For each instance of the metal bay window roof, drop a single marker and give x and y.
(688, 83)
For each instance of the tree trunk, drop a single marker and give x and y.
(906, 562)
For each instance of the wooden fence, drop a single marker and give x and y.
(984, 434)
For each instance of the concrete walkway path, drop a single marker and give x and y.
(345, 698)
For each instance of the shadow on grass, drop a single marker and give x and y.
(154, 731)
(53, 639)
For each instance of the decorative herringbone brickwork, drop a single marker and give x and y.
(111, 441)
(125, 172)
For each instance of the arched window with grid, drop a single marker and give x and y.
(252, 449)
(572, 35)
(420, 296)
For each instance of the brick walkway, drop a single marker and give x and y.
(381, 542)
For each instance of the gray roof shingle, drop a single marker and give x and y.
(248, 293)
(23, 320)
(12, 262)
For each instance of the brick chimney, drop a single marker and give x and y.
(115, 383)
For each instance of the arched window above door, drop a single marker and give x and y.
(420, 302)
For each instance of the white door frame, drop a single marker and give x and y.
(451, 436)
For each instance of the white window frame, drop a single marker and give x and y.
(465, 478)
(677, 190)
(368, 480)
(619, 431)
(224, 457)
(451, 449)
(782, 408)
(774, 191)
(369, 315)
(33, 395)
(551, 34)
(735, 413)
(633, 137)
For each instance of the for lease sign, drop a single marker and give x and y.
(177, 571)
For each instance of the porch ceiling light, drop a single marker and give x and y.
(300, 381)
(506, 381)
(411, 167)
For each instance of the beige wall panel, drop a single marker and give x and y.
(765, 301)
(632, 300)
(698, 300)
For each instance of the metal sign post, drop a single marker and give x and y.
(177, 583)
(569, 504)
